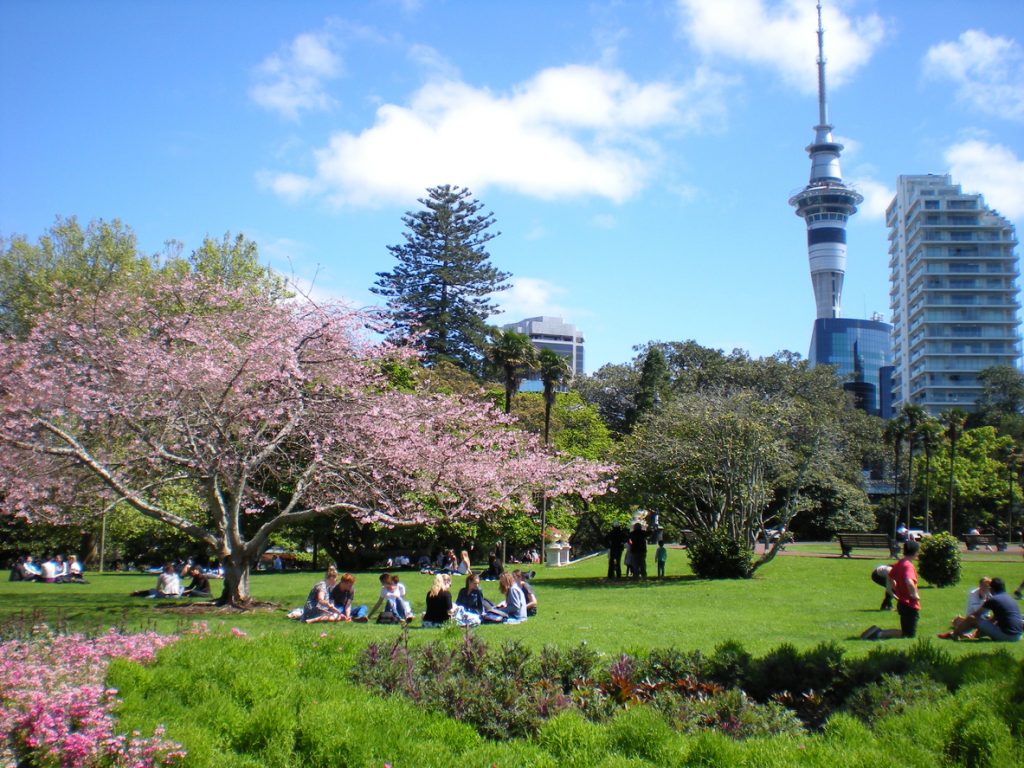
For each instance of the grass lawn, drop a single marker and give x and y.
(805, 597)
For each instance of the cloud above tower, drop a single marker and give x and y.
(569, 131)
(988, 72)
(780, 35)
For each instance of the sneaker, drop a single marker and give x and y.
(944, 635)
(871, 633)
(361, 619)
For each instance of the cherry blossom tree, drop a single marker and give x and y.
(269, 412)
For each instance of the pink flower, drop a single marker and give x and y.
(238, 633)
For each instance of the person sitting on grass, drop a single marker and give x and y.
(903, 578)
(392, 598)
(439, 601)
(514, 604)
(471, 597)
(167, 584)
(464, 566)
(494, 569)
(200, 586)
(318, 605)
(999, 616)
(75, 570)
(962, 626)
(528, 594)
(343, 597)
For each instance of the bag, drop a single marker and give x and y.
(388, 617)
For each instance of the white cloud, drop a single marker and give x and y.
(991, 169)
(877, 197)
(988, 72)
(293, 80)
(781, 35)
(530, 297)
(567, 132)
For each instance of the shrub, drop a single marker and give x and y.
(716, 555)
(977, 739)
(729, 665)
(894, 694)
(939, 560)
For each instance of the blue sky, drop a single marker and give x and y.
(638, 155)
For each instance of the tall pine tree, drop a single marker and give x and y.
(441, 287)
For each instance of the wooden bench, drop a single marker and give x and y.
(975, 540)
(847, 541)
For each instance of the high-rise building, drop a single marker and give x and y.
(555, 334)
(857, 349)
(953, 292)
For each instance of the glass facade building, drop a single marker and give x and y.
(860, 352)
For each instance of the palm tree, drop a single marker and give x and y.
(954, 421)
(930, 434)
(913, 416)
(894, 435)
(512, 355)
(554, 371)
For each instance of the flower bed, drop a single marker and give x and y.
(56, 711)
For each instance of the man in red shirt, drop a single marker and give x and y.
(903, 582)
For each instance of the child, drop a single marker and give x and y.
(660, 557)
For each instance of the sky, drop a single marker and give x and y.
(638, 155)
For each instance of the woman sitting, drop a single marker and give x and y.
(200, 586)
(471, 597)
(343, 597)
(464, 566)
(514, 603)
(318, 605)
(439, 602)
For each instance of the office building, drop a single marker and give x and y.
(857, 349)
(555, 334)
(953, 292)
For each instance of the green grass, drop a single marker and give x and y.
(281, 696)
(802, 600)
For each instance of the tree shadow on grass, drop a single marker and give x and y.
(603, 583)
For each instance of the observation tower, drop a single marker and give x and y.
(825, 204)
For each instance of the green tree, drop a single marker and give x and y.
(612, 389)
(912, 417)
(441, 288)
(554, 372)
(234, 263)
(653, 387)
(511, 355)
(954, 421)
(35, 277)
(980, 476)
(930, 436)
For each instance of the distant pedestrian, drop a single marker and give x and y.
(660, 557)
(615, 540)
(638, 551)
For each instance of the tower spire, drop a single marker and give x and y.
(825, 204)
(822, 101)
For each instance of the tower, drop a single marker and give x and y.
(825, 204)
(953, 291)
(857, 349)
(550, 333)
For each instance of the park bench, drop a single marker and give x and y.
(847, 541)
(975, 540)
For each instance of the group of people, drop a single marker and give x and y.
(991, 612)
(52, 570)
(633, 544)
(169, 583)
(333, 599)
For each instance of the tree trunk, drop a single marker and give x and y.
(236, 580)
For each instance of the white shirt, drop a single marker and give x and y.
(975, 599)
